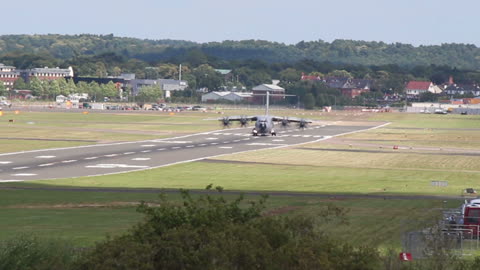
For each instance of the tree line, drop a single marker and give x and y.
(64, 47)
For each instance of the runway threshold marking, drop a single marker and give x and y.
(140, 159)
(148, 145)
(20, 168)
(5, 162)
(24, 174)
(225, 147)
(90, 158)
(45, 156)
(69, 161)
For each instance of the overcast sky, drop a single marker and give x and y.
(408, 21)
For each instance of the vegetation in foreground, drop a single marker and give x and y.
(210, 232)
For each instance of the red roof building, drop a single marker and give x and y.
(416, 88)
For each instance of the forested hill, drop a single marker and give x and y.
(65, 47)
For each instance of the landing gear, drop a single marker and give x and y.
(254, 132)
(273, 133)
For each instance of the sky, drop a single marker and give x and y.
(417, 22)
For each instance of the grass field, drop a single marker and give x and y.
(434, 148)
(86, 217)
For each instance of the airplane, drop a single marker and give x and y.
(265, 123)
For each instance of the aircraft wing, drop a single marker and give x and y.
(291, 119)
(239, 118)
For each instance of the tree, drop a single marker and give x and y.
(211, 232)
(20, 84)
(309, 101)
(150, 93)
(3, 89)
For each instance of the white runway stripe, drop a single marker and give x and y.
(44, 156)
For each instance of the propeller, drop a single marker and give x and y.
(243, 121)
(225, 122)
(302, 123)
(285, 123)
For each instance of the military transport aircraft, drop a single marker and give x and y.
(265, 123)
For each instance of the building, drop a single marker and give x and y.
(227, 95)
(46, 73)
(8, 76)
(460, 90)
(415, 88)
(166, 85)
(259, 93)
(214, 96)
(348, 87)
(355, 87)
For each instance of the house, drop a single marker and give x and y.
(227, 95)
(355, 87)
(259, 93)
(460, 90)
(415, 88)
(348, 87)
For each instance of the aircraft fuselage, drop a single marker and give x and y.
(264, 126)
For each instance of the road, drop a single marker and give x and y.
(102, 159)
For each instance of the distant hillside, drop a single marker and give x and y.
(66, 47)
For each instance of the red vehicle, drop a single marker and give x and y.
(471, 218)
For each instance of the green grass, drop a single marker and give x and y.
(373, 221)
(328, 179)
(87, 217)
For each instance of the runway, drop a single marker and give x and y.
(102, 159)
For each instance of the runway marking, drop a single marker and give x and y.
(225, 147)
(176, 147)
(246, 139)
(190, 146)
(217, 133)
(69, 161)
(212, 156)
(46, 164)
(203, 144)
(238, 134)
(148, 145)
(146, 151)
(111, 155)
(278, 140)
(227, 134)
(5, 162)
(265, 144)
(128, 153)
(236, 140)
(45, 156)
(227, 142)
(296, 135)
(20, 168)
(174, 142)
(307, 136)
(90, 158)
(160, 149)
(213, 143)
(114, 166)
(212, 138)
(9, 181)
(140, 159)
(23, 174)
(317, 136)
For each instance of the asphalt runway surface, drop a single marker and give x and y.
(103, 159)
